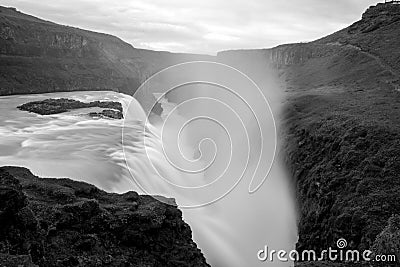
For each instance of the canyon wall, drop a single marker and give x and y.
(38, 56)
(341, 129)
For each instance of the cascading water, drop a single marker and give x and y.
(218, 140)
(202, 150)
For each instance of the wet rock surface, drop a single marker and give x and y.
(50, 106)
(60, 222)
(107, 113)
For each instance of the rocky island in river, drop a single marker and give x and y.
(51, 106)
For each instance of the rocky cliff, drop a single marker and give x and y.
(342, 130)
(39, 56)
(368, 48)
(60, 222)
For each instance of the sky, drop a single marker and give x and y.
(201, 26)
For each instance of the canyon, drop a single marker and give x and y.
(340, 122)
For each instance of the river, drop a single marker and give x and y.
(230, 231)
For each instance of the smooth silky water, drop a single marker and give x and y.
(230, 231)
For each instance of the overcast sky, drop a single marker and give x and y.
(201, 26)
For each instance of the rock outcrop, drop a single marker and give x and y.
(376, 34)
(60, 222)
(51, 106)
(371, 41)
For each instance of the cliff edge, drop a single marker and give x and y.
(60, 222)
(342, 128)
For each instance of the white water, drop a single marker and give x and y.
(229, 232)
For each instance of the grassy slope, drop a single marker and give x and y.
(343, 143)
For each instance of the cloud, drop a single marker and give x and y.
(205, 26)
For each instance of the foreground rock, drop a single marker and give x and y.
(60, 222)
(51, 106)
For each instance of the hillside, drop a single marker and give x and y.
(60, 222)
(342, 130)
(38, 56)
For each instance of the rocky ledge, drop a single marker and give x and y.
(379, 16)
(60, 222)
(107, 113)
(51, 106)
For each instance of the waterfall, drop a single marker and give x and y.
(204, 149)
(213, 148)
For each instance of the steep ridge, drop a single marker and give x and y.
(60, 222)
(38, 56)
(367, 47)
(343, 133)
(375, 34)
(342, 130)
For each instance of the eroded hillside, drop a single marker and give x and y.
(38, 56)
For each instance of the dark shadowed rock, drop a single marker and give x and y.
(8, 260)
(388, 241)
(60, 222)
(113, 110)
(107, 113)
